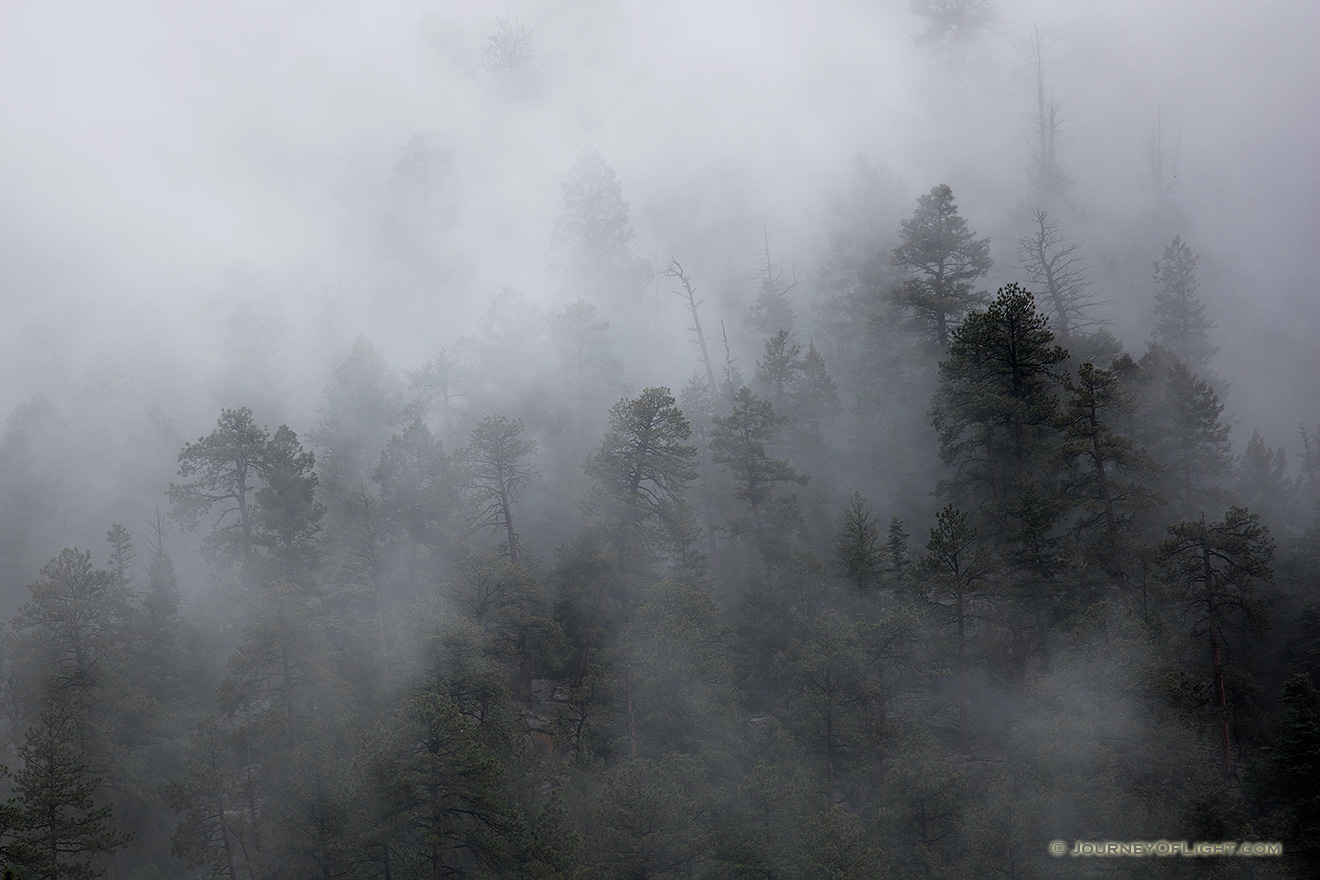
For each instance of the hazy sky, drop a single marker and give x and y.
(150, 151)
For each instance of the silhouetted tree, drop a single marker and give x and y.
(945, 258)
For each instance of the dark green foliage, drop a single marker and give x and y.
(945, 259)
(741, 442)
(651, 818)
(443, 794)
(1296, 768)
(223, 469)
(995, 410)
(642, 471)
(59, 831)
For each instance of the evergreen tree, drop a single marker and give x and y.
(945, 259)
(995, 411)
(59, 830)
(957, 584)
(740, 443)
(1108, 465)
(1181, 325)
(642, 471)
(1212, 569)
(1264, 485)
(288, 516)
(419, 496)
(224, 468)
(122, 554)
(594, 235)
(1296, 769)
(814, 405)
(363, 407)
(1180, 423)
(496, 471)
(859, 554)
(772, 312)
(72, 624)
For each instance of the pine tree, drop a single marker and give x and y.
(419, 488)
(1212, 569)
(858, 554)
(224, 468)
(995, 410)
(957, 583)
(1263, 483)
(1181, 325)
(59, 829)
(122, 554)
(594, 235)
(288, 516)
(741, 442)
(1180, 423)
(1107, 464)
(642, 472)
(363, 407)
(945, 259)
(496, 471)
(1296, 768)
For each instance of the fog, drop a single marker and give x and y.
(207, 206)
(151, 149)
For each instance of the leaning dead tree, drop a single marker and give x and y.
(689, 296)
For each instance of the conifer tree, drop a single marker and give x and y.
(496, 471)
(859, 553)
(1181, 324)
(741, 442)
(945, 259)
(1212, 569)
(223, 468)
(1296, 768)
(642, 472)
(419, 502)
(995, 409)
(59, 829)
(957, 584)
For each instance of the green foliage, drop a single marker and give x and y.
(642, 472)
(496, 471)
(858, 554)
(945, 259)
(59, 831)
(740, 442)
(223, 469)
(995, 411)
(651, 819)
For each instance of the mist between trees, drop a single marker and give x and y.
(899, 557)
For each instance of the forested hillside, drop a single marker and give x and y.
(899, 557)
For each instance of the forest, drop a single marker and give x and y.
(863, 545)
